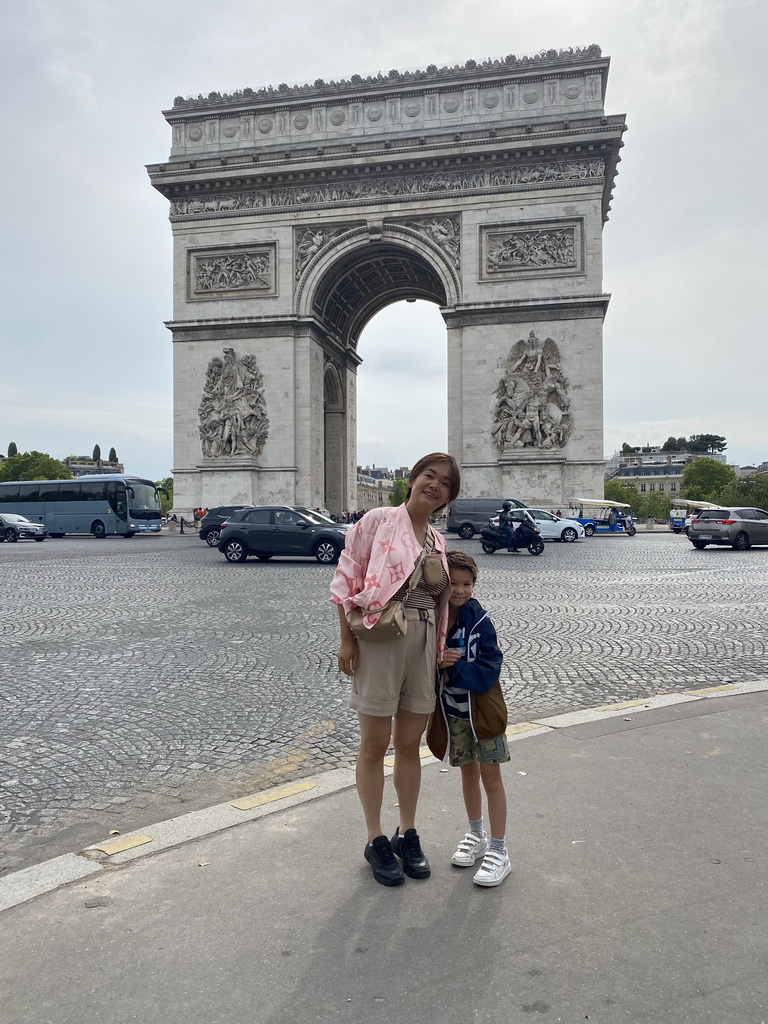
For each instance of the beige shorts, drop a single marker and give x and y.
(399, 673)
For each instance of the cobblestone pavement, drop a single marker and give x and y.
(143, 679)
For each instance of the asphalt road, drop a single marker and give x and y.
(140, 679)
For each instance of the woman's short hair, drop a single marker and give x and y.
(453, 471)
(461, 560)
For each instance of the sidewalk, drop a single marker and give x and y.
(639, 892)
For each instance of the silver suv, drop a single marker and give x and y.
(739, 527)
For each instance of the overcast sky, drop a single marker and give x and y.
(86, 245)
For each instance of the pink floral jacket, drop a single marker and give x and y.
(378, 558)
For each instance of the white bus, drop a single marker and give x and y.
(99, 504)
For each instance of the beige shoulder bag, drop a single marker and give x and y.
(392, 622)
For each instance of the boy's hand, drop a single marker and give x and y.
(450, 656)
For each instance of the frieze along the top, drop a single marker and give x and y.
(470, 71)
(393, 188)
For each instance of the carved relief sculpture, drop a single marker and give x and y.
(445, 232)
(222, 271)
(309, 242)
(233, 413)
(392, 187)
(525, 250)
(226, 204)
(233, 272)
(532, 404)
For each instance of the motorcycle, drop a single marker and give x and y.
(527, 535)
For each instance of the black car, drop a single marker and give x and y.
(212, 520)
(268, 530)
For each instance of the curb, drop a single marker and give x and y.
(29, 883)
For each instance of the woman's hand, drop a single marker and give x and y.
(450, 656)
(348, 654)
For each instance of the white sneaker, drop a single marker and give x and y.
(494, 869)
(470, 848)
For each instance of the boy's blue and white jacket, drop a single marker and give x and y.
(478, 670)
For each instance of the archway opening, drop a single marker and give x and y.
(401, 385)
(333, 426)
(380, 302)
(366, 281)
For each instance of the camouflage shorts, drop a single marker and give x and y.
(465, 748)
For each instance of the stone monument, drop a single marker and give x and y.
(299, 212)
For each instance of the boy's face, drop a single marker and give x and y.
(462, 586)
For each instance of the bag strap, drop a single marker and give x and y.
(428, 543)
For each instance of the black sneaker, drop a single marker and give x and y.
(408, 849)
(379, 855)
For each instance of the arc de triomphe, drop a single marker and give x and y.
(299, 212)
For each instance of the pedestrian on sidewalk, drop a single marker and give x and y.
(469, 724)
(394, 554)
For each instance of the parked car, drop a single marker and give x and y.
(13, 528)
(267, 530)
(552, 527)
(212, 520)
(738, 527)
(466, 516)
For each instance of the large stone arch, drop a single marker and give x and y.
(299, 212)
(381, 264)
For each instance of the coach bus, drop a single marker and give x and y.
(99, 505)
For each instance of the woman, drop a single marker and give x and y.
(394, 680)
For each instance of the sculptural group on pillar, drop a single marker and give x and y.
(233, 412)
(532, 404)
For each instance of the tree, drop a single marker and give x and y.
(627, 449)
(112, 455)
(33, 466)
(751, 491)
(12, 449)
(707, 443)
(615, 490)
(675, 444)
(398, 492)
(703, 479)
(656, 505)
(166, 504)
(96, 453)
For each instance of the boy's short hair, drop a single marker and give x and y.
(461, 560)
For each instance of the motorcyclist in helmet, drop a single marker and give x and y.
(507, 524)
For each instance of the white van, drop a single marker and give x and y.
(466, 516)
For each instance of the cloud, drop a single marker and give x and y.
(79, 85)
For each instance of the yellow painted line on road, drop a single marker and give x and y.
(513, 730)
(248, 802)
(127, 843)
(389, 762)
(714, 689)
(625, 704)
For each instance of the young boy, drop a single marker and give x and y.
(473, 709)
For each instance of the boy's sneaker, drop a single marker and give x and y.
(408, 849)
(379, 855)
(469, 849)
(494, 869)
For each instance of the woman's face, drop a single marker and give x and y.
(432, 487)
